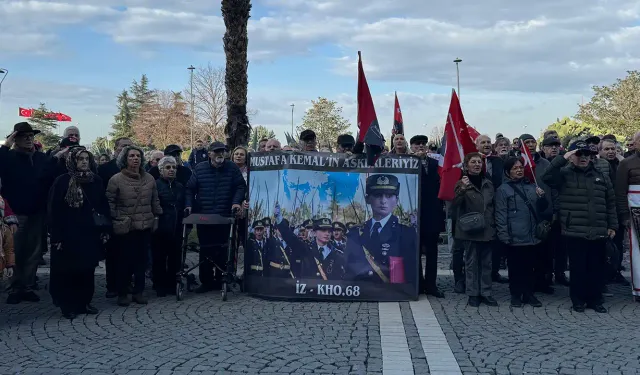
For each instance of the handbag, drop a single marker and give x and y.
(543, 227)
(122, 225)
(100, 221)
(472, 222)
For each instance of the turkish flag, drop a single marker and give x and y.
(458, 144)
(528, 163)
(398, 124)
(62, 117)
(25, 112)
(369, 129)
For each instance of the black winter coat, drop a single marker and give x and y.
(74, 227)
(432, 214)
(108, 170)
(215, 189)
(183, 174)
(586, 199)
(25, 180)
(171, 195)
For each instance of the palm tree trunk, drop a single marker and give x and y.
(236, 15)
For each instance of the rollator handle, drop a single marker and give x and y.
(207, 219)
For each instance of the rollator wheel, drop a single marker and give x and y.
(179, 291)
(224, 291)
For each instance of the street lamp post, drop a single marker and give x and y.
(4, 73)
(292, 107)
(458, 61)
(193, 115)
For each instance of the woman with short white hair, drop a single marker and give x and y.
(168, 238)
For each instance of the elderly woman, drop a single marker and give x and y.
(240, 156)
(472, 210)
(167, 240)
(519, 205)
(134, 206)
(75, 200)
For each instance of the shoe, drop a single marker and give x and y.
(578, 308)
(124, 300)
(139, 299)
(532, 301)
(619, 279)
(474, 301)
(111, 294)
(546, 289)
(203, 289)
(30, 296)
(562, 280)
(598, 308)
(460, 287)
(489, 301)
(69, 315)
(499, 279)
(91, 310)
(434, 292)
(161, 293)
(515, 301)
(14, 299)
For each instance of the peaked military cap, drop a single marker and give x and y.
(382, 184)
(339, 225)
(258, 224)
(307, 223)
(267, 221)
(323, 223)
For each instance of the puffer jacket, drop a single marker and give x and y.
(171, 194)
(586, 199)
(125, 190)
(515, 223)
(470, 199)
(628, 174)
(216, 190)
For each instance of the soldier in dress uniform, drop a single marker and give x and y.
(320, 260)
(339, 238)
(382, 243)
(258, 246)
(308, 230)
(279, 261)
(267, 227)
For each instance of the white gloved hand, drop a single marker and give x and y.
(8, 272)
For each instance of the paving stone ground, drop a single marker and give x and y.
(245, 335)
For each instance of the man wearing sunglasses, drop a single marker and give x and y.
(587, 210)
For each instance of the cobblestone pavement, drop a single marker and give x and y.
(202, 335)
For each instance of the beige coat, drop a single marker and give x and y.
(127, 188)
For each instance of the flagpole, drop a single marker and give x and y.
(458, 61)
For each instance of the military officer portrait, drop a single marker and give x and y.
(258, 246)
(382, 250)
(339, 235)
(320, 259)
(280, 261)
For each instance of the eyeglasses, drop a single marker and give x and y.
(27, 136)
(170, 167)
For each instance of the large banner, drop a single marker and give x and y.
(328, 226)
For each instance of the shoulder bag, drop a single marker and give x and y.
(472, 222)
(543, 227)
(100, 221)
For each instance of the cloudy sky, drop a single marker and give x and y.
(524, 63)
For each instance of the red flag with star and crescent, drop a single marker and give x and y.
(368, 126)
(528, 163)
(25, 112)
(398, 124)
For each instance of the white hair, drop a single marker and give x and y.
(166, 161)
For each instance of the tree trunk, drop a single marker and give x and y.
(236, 15)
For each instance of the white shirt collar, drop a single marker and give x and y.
(382, 222)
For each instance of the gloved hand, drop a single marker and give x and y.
(277, 213)
(414, 219)
(8, 272)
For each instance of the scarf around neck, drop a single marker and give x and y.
(75, 194)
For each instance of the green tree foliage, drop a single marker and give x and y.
(122, 120)
(101, 146)
(48, 127)
(260, 132)
(615, 107)
(325, 119)
(568, 128)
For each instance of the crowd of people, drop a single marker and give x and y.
(570, 213)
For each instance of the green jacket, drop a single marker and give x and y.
(586, 199)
